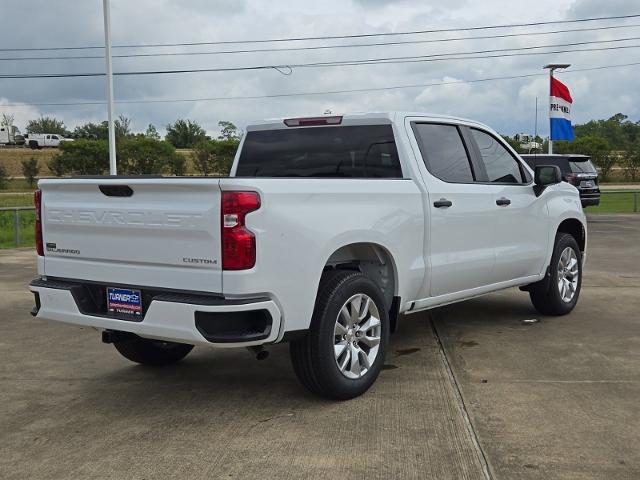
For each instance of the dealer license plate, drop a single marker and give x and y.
(124, 301)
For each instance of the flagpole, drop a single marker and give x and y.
(550, 141)
(552, 67)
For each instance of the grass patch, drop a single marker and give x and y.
(614, 202)
(16, 199)
(18, 185)
(26, 220)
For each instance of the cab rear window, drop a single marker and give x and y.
(584, 166)
(363, 151)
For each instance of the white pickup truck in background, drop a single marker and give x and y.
(40, 140)
(326, 231)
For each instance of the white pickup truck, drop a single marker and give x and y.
(326, 231)
(40, 140)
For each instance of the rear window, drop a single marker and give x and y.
(364, 151)
(584, 166)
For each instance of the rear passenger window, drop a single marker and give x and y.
(443, 152)
(501, 166)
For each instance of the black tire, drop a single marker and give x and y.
(152, 352)
(313, 356)
(546, 296)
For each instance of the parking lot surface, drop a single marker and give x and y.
(469, 391)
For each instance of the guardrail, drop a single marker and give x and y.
(16, 220)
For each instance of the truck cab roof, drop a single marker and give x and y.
(358, 118)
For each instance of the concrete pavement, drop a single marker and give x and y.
(469, 391)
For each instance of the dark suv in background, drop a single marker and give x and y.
(576, 170)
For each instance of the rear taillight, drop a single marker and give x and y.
(238, 243)
(37, 201)
(572, 178)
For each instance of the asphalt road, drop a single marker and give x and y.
(469, 391)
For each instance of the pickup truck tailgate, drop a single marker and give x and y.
(150, 232)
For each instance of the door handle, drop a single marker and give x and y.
(443, 202)
(503, 202)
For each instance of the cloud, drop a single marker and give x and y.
(507, 105)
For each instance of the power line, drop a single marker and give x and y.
(287, 68)
(326, 92)
(474, 52)
(323, 47)
(332, 37)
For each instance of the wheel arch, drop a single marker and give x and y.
(576, 229)
(377, 263)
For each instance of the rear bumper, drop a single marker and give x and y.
(589, 196)
(171, 317)
(590, 201)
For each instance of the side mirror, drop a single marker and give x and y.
(546, 175)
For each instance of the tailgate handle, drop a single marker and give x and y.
(116, 190)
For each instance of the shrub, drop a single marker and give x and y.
(81, 157)
(631, 162)
(4, 178)
(177, 164)
(57, 166)
(30, 170)
(144, 155)
(225, 151)
(214, 156)
(204, 157)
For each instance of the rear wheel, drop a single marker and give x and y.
(559, 294)
(343, 352)
(152, 352)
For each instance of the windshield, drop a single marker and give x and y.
(584, 166)
(364, 151)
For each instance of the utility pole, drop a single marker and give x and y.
(107, 53)
(552, 67)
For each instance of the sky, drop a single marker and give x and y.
(506, 105)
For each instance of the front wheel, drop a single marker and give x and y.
(152, 352)
(344, 351)
(560, 294)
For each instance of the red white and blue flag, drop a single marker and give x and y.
(560, 111)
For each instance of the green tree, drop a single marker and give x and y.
(122, 127)
(47, 125)
(598, 148)
(228, 131)
(152, 132)
(185, 133)
(30, 170)
(92, 131)
(631, 162)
